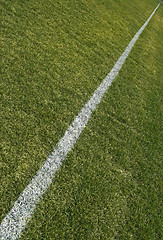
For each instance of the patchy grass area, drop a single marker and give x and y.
(54, 55)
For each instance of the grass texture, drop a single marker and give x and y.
(54, 55)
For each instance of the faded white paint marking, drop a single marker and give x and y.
(16, 220)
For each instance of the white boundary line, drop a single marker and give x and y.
(16, 220)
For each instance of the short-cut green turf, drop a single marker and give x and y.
(55, 54)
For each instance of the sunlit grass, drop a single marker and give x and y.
(55, 54)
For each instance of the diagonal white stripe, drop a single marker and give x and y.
(16, 220)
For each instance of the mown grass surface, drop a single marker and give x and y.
(55, 54)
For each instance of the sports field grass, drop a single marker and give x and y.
(55, 54)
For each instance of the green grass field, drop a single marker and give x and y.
(54, 55)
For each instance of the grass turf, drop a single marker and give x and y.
(54, 56)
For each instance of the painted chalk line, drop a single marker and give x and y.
(16, 220)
